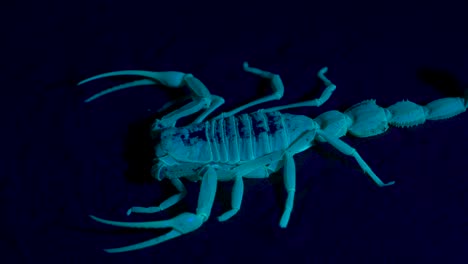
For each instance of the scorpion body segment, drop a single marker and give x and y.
(253, 145)
(233, 139)
(227, 142)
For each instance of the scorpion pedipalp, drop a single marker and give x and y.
(168, 78)
(181, 224)
(120, 87)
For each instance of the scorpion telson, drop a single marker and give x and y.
(253, 145)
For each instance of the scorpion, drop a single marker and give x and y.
(231, 147)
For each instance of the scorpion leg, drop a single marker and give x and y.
(165, 204)
(290, 184)
(202, 98)
(181, 224)
(257, 169)
(348, 150)
(254, 169)
(238, 189)
(289, 173)
(315, 102)
(236, 200)
(276, 84)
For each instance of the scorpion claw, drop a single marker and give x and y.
(172, 79)
(100, 76)
(118, 87)
(170, 235)
(147, 74)
(181, 224)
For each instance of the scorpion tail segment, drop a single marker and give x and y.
(181, 224)
(120, 87)
(445, 108)
(407, 114)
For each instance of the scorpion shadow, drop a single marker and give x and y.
(139, 144)
(443, 81)
(139, 155)
(139, 152)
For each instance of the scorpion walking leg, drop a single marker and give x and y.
(164, 205)
(253, 169)
(276, 84)
(326, 94)
(181, 224)
(202, 98)
(236, 200)
(259, 171)
(290, 173)
(290, 184)
(348, 150)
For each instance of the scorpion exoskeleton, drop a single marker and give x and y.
(254, 145)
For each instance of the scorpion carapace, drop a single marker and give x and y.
(253, 145)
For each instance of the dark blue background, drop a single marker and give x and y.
(65, 159)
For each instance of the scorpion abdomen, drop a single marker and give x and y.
(233, 139)
(246, 137)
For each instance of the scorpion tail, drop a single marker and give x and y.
(406, 113)
(169, 78)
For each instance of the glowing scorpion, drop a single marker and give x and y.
(231, 147)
